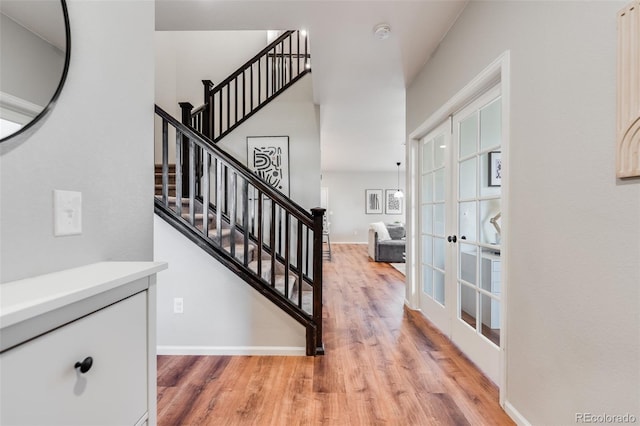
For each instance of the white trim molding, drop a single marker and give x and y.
(17, 110)
(232, 350)
(515, 415)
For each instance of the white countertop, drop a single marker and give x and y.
(28, 298)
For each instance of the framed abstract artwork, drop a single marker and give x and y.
(392, 205)
(268, 157)
(373, 201)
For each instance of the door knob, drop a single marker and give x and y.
(452, 238)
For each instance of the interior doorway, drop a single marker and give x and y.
(458, 181)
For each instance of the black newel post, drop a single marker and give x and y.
(318, 345)
(207, 119)
(186, 120)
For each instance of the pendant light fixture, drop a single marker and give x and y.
(398, 193)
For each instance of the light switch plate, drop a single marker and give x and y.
(178, 305)
(67, 213)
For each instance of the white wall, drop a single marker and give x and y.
(222, 313)
(185, 58)
(573, 283)
(292, 114)
(98, 140)
(349, 222)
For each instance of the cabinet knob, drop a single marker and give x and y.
(452, 239)
(85, 365)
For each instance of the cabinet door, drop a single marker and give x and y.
(40, 385)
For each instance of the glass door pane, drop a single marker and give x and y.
(433, 197)
(468, 140)
(491, 125)
(478, 221)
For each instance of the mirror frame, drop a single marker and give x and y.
(67, 58)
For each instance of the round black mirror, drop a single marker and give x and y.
(35, 45)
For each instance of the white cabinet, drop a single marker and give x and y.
(40, 383)
(491, 275)
(489, 281)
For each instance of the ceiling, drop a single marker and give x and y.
(42, 17)
(358, 81)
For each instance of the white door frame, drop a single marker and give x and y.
(497, 73)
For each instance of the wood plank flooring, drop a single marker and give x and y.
(384, 365)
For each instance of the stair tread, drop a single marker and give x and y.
(266, 272)
(239, 246)
(224, 232)
(266, 268)
(172, 199)
(198, 216)
(172, 178)
(280, 281)
(158, 168)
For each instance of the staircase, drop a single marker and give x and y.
(254, 230)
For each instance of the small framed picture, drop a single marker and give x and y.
(373, 201)
(393, 205)
(495, 168)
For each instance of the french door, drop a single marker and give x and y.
(460, 226)
(436, 295)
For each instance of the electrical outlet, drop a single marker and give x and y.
(67, 213)
(178, 305)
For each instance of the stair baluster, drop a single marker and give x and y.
(179, 175)
(165, 162)
(206, 194)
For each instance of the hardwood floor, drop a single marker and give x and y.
(384, 364)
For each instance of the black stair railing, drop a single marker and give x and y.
(252, 86)
(265, 238)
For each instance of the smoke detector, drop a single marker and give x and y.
(382, 31)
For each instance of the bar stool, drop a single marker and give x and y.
(325, 233)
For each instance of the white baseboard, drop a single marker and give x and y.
(515, 415)
(410, 306)
(231, 350)
(347, 242)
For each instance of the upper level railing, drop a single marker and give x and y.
(229, 103)
(256, 231)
